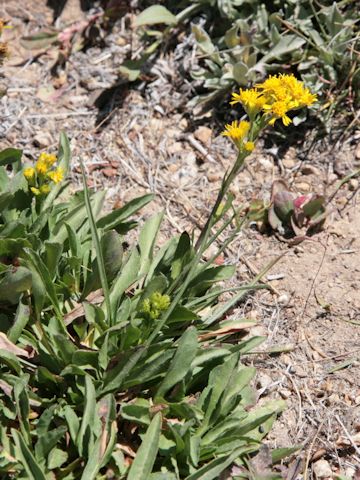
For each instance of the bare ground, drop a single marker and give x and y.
(136, 140)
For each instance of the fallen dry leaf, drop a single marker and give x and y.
(10, 347)
(78, 311)
(231, 328)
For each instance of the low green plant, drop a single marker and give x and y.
(123, 363)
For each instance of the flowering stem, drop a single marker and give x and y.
(227, 181)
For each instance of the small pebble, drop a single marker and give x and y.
(283, 300)
(285, 394)
(353, 184)
(42, 140)
(322, 469)
(304, 187)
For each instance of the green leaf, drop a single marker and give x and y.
(114, 378)
(112, 250)
(279, 453)
(104, 445)
(53, 252)
(218, 383)
(213, 469)
(16, 281)
(114, 218)
(182, 255)
(138, 412)
(99, 252)
(40, 268)
(181, 363)
(10, 155)
(12, 247)
(85, 435)
(286, 44)
(22, 406)
(72, 421)
(147, 240)
(155, 14)
(131, 69)
(203, 39)
(211, 275)
(146, 454)
(49, 441)
(128, 275)
(56, 458)
(24, 455)
(22, 317)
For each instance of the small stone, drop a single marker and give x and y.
(173, 168)
(289, 163)
(203, 134)
(310, 170)
(353, 184)
(303, 187)
(109, 172)
(285, 394)
(183, 124)
(342, 201)
(121, 41)
(283, 300)
(213, 176)
(42, 140)
(322, 469)
(298, 250)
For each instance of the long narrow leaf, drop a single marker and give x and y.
(27, 459)
(99, 252)
(146, 454)
(181, 362)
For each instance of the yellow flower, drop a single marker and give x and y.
(249, 146)
(277, 110)
(252, 100)
(29, 173)
(56, 175)
(287, 88)
(41, 167)
(35, 191)
(307, 98)
(48, 158)
(236, 130)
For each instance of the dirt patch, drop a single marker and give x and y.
(136, 140)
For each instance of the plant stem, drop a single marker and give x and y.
(227, 181)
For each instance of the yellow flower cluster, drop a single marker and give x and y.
(275, 97)
(40, 176)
